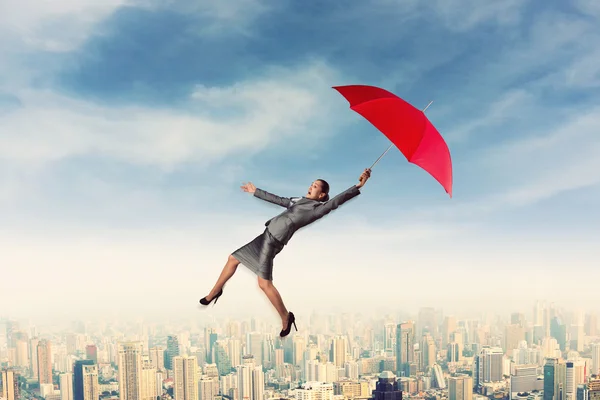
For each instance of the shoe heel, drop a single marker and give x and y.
(295, 326)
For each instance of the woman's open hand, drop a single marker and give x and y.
(248, 187)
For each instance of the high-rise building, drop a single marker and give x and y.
(66, 386)
(254, 346)
(488, 366)
(91, 387)
(172, 351)
(10, 388)
(339, 350)
(428, 352)
(130, 370)
(210, 338)
(221, 357)
(157, 357)
(149, 380)
(78, 379)
(525, 379)
(387, 388)
(91, 353)
(595, 367)
(33, 356)
(389, 338)
(44, 353)
(405, 333)
(185, 378)
(460, 387)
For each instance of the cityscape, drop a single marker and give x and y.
(545, 354)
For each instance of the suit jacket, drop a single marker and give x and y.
(300, 211)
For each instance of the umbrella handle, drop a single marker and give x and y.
(391, 145)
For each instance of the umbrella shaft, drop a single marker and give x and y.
(391, 145)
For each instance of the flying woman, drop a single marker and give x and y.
(258, 255)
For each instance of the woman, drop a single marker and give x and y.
(258, 255)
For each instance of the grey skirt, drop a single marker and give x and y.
(258, 255)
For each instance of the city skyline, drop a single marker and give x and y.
(126, 133)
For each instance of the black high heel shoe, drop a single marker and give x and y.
(205, 302)
(287, 330)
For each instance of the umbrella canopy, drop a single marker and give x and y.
(406, 127)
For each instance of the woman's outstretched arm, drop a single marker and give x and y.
(343, 197)
(266, 196)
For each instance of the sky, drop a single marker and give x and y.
(127, 128)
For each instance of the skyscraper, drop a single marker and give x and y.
(460, 387)
(44, 355)
(91, 353)
(130, 370)
(10, 388)
(386, 387)
(91, 388)
(185, 378)
(488, 366)
(78, 381)
(172, 351)
(66, 386)
(405, 333)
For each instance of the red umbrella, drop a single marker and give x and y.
(405, 126)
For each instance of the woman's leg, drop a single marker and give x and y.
(228, 271)
(275, 298)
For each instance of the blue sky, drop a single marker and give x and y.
(127, 128)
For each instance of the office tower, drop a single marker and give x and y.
(254, 346)
(405, 333)
(298, 347)
(387, 388)
(428, 352)
(185, 378)
(453, 352)
(209, 388)
(91, 353)
(172, 351)
(66, 386)
(315, 391)
(525, 379)
(78, 381)
(558, 330)
(235, 352)
(130, 370)
(338, 350)
(595, 368)
(210, 338)
(91, 387)
(513, 335)
(389, 337)
(157, 357)
(44, 362)
(149, 374)
(448, 327)
(33, 356)
(460, 387)
(221, 357)
(488, 366)
(10, 388)
(555, 379)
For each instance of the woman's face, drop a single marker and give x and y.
(315, 191)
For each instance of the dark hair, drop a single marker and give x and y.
(324, 188)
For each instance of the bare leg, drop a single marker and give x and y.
(275, 298)
(228, 271)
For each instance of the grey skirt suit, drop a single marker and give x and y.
(258, 254)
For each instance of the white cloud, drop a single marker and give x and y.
(273, 108)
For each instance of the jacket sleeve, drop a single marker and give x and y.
(330, 205)
(271, 198)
